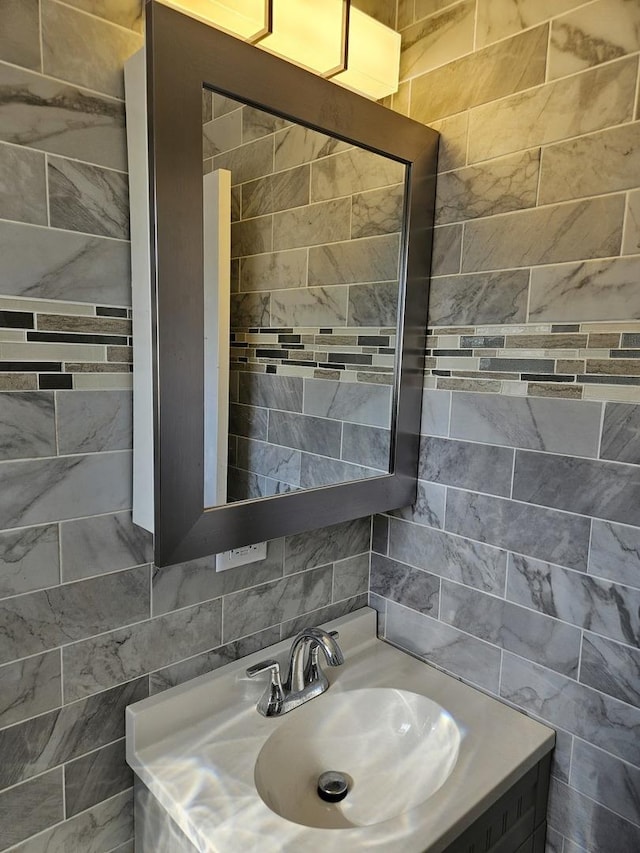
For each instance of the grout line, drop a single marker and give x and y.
(107, 21)
(53, 228)
(62, 81)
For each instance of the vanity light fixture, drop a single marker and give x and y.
(332, 38)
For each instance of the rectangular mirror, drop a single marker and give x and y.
(291, 244)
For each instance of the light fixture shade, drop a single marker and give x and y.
(247, 19)
(309, 33)
(373, 57)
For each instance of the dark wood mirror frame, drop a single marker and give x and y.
(183, 56)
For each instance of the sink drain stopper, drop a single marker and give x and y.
(333, 786)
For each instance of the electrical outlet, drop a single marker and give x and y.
(240, 556)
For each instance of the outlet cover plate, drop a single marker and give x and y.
(240, 556)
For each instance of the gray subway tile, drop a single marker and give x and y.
(248, 163)
(271, 392)
(96, 777)
(39, 621)
(608, 608)
(274, 271)
(471, 563)
(366, 445)
(480, 467)
(615, 552)
(452, 150)
(380, 534)
(373, 304)
(361, 403)
(604, 489)
(446, 647)
(428, 507)
(40, 743)
(320, 471)
(84, 49)
(304, 432)
(611, 668)
(500, 18)
(296, 145)
(251, 236)
(50, 264)
(27, 426)
(88, 198)
(607, 780)
(351, 577)
(248, 421)
(599, 719)
(355, 261)
(531, 635)
(270, 460)
(446, 254)
(29, 559)
(324, 222)
(92, 421)
(435, 412)
(249, 309)
(91, 546)
(100, 662)
(23, 195)
(497, 297)
(257, 123)
(559, 426)
(310, 306)
(440, 39)
(20, 33)
(29, 687)
(405, 585)
(279, 191)
(59, 118)
(621, 433)
(37, 491)
(278, 601)
(222, 134)
(29, 808)
(327, 613)
(127, 13)
(377, 212)
(326, 545)
(566, 232)
(351, 172)
(592, 290)
(185, 584)
(534, 531)
(631, 242)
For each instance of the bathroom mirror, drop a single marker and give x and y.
(291, 245)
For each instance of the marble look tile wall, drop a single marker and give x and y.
(87, 623)
(518, 567)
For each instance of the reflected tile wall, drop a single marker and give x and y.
(518, 567)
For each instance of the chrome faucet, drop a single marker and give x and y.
(305, 679)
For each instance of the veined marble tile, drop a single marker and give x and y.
(260, 457)
(222, 104)
(535, 531)
(588, 823)
(106, 543)
(447, 250)
(56, 117)
(48, 264)
(404, 584)
(595, 33)
(103, 827)
(466, 657)
(498, 297)
(271, 391)
(247, 162)
(486, 75)
(599, 719)
(324, 306)
(320, 471)
(324, 222)
(326, 613)
(565, 232)
(621, 433)
(351, 577)
(275, 192)
(29, 559)
(257, 123)
(248, 421)
(353, 171)
(611, 667)
(185, 670)
(90, 421)
(263, 606)
(33, 492)
(480, 467)
(593, 290)
(598, 163)
(428, 508)
(606, 96)
(427, 7)
(27, 424)
(516, 629)
(366, 445)
(355, 261)
(304, 432)
(471, 563)
(29, 808)
(88, 198)
(296, 145)
(85, 50)
(23, 194)
(357, 403)
(597, 605)
(606, 779)
(500, 18)
(222, 134)
(631, 242)
(100, 662)
(377, 212)
(96, 777)
(127, 13)
(250, 309)
(615, 552)
(452, 151)
(498, 186)
(274, 270)
(20, 33)
(29, 687)
(380, 534)
(533, 423)
(326, 545)
(603, 489)
(251, 236)
(375, 303)
(435, 412)
(43, 620)
(437, 40)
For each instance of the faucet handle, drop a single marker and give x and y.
(270, 704)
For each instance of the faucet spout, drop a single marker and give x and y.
(301, 672)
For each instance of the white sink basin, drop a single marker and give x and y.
(234, 781)
(396, 748)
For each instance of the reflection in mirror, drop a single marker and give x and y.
(315, 246)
